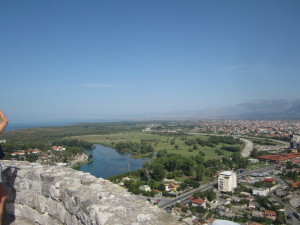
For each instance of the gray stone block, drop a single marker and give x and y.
(47, 195)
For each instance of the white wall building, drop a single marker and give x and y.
(227, 181)
(295, 141)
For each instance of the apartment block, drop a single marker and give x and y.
(227, 181)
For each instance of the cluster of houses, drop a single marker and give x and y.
(24, 152)
(36, 151)
(266, 213)
(229, 205)
(225, 204)
(169, 187)
(220, 208)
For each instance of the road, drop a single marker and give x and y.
(281, 182)
(185, 196)
(294, 220)
(248, 148)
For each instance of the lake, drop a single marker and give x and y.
(108, 162)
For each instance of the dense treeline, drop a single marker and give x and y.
(231, 148)
(212, 141)
(223, 139)
(134, 147)
(10, 146)
(171, 166)
(176, 165)
(264, 142)
(74, 143)
(235, 162)
(44, 134)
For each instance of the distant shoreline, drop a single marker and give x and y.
(28, 125)
(20, 126)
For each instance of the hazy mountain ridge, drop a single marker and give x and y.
(258, 109)
(266, 109)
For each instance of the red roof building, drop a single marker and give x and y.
(280, 158)
(270, 214)
(58, 148)
(22, 152)
(254, 223)
(269, 180)
(198, 202)
(295, 185)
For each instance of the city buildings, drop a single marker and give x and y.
(227, 181)
(295, 142)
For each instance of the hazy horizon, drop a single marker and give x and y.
(104, 60)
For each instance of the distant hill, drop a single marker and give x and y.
(258, 109)
(266, 109)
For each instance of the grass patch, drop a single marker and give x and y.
(173, 144)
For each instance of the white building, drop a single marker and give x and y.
(58, 148)
(260, 191)
(224, 222)
(295, 142)
(227, 181)
(145, 188)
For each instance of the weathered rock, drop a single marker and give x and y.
(45, 195)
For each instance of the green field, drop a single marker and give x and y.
(173, 144)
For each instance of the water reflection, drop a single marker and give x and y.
(108, 162)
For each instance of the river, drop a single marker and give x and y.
(108, 162)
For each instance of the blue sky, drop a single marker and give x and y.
(119, 59)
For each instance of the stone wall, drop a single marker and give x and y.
(58, 195)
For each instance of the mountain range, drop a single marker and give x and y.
(258, 109)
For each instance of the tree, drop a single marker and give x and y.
(161, 153)
(199, 173)
(210, 195)
(161, 187)
(197, 194)
(254, 153)
(289, 165)
(158, 171)
(192, 183)
(171, 175)
(200, 210)
(188, 167)
(146, 166)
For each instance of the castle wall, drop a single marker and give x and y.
(49, 195)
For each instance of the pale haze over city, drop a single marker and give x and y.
(101, 60)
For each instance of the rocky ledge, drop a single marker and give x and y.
(51, 195)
